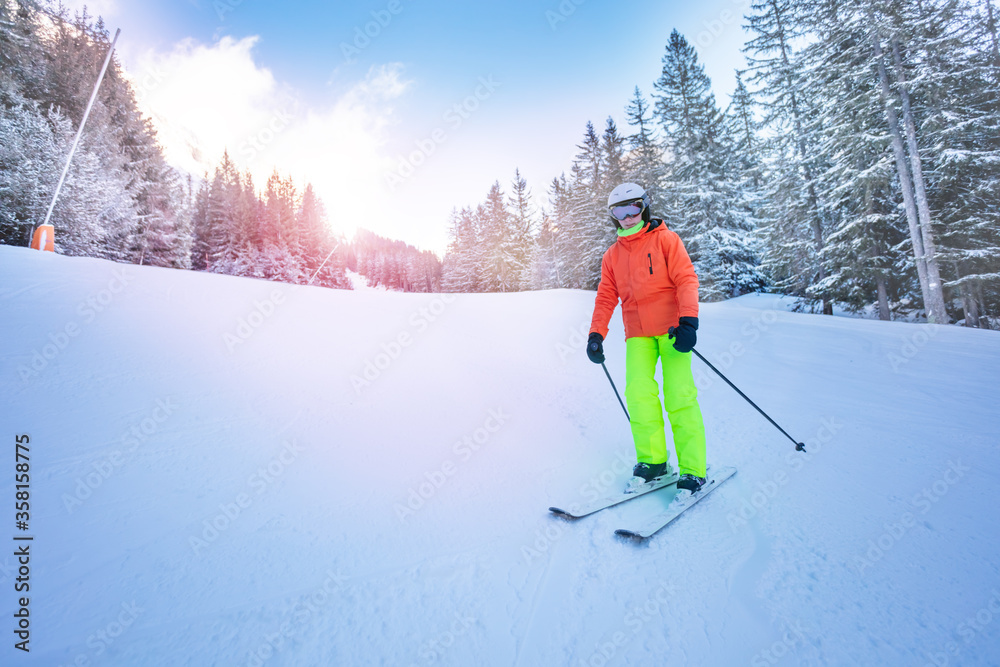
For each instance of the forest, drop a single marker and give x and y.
(856, 164)
(123, 202)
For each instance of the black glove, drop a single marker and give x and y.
(684, 334)
(595, 349)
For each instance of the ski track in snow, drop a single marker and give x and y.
(864, 550)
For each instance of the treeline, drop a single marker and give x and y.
(392, 264)
(121, 201)
(284, 236)
(856, 164)
(275, 235)
(492, 246)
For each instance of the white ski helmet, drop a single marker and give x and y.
(627, 192)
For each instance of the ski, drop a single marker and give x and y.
(578, 511)
(679, 505)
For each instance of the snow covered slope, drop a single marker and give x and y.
(235, 472)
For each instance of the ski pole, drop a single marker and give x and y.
(616, 390)
(799, 446)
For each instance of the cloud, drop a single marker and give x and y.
(340, 149)
(204, 100)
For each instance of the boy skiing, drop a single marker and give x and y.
(649, 270)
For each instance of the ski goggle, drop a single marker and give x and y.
(628, 210)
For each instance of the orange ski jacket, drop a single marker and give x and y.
(652, 275)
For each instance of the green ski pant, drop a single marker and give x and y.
(680, 399)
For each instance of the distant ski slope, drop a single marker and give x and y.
(236, 472)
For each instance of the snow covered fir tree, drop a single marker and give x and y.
(121, 201)
(854, 164)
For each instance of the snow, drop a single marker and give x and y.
(215, 480)
(359, 282)
(796, 304)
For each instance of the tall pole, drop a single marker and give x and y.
(79, 132)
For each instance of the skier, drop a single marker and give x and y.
(649, 270)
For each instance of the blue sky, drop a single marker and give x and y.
(270, 82)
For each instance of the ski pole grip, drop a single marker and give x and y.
(670, 332)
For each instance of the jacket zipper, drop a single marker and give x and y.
(649, 256)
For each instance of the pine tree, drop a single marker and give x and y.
(861, 257)
(501, 269)
(163, 235)
(278, 213)
(320, 251)
(704, 205)
(793, 224)
(587, 233)
(967, 192)
(522, 229)
(744, 175)
(685, 106)
(28, 154)
(185, 225)
(909, 168)
(310, 222)
(544, 268)
(20, 49)
(556, 250)
(460, 271)
(614, 162)
(686, 110)
(743, 130)
(645, 158)
(222, 232)
(201, 246)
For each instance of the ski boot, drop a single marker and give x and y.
(689, 482)
(643, 473)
